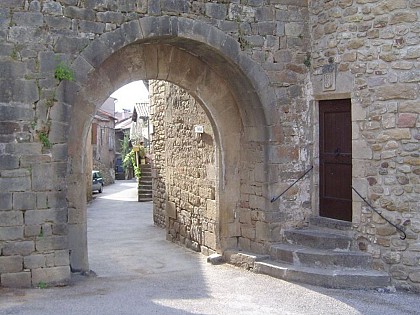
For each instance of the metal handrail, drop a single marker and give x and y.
(303, 175)
(403, 237)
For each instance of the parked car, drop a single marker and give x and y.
(97, 181)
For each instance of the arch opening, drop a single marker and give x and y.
(225, 93)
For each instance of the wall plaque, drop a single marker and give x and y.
(328, 77)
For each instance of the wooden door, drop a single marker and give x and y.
(335, 159)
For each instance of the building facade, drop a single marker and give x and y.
(287, 86)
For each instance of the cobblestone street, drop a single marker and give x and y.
(139, 272)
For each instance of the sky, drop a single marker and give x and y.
(129, 94)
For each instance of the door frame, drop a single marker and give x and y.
(316, 147)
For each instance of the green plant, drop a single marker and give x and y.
(43, 137)
(42, 285)
(34, 122)
(14, 54)
(125, 148)
(307, 61)
(50, 102)
(63, 72)
(130, 159)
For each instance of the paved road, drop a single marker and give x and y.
(138, 272)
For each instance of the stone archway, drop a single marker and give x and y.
(211, 67)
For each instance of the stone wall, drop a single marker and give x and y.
(375, 48)
(258, 67)
(184, 168)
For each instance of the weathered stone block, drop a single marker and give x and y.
(9, 162)
(51, 275)
(210, 240)
(60, 229)
(11, 218)
(216, 10)
(262, 230)
(58, 22)
(61, 258)
(56, 172)
(407, 120)
(409, 107)
(397, 91)
(245, 216)
(91, 27)
(24, 200)
(410, 77)
(35, 217)
(32, 230)
(415, 276)
(248, 232)
(23, 248)
(96, 53)
(399, 272)
(402, 17)
(70, 44)
(34, 261)
(211, 209)
(110, 17)
(178, 6)
(11, 264)
(51, 243)
(52, 7)
(79, 13)
(171, 209)
(16, 280)
(11, 69)
(5, 201)
(361, 150)
(391, 257)
(16, 113)
(395, 134)
(31, 19)
(11, 233)
(294, 29)
(234, 229)
(24, 91)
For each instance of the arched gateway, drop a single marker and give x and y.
(327, 87)
(204, 61)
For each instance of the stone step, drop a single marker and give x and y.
(318, 239)
(145, 195)
(331, 278)
(312, 257)
(327, 223)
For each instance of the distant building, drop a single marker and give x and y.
(140, 128)
(122, 127)
(103, 140)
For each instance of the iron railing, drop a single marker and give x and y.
(302, 176)
(399, 228)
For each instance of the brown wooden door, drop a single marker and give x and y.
(335, 159)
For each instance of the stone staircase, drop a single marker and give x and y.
(145, 183)
(322, 254)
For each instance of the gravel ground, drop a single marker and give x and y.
(139, 272)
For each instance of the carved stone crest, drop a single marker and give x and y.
(328, 77)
